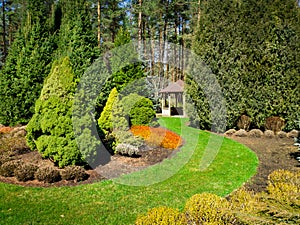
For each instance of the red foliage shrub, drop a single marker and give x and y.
(159, 137)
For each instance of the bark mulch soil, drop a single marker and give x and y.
(273, 154)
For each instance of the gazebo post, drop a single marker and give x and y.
(183, 104)
(169, 95)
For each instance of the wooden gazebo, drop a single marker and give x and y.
(173, 99)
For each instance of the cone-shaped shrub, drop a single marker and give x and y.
(105, 120)
(50, 130)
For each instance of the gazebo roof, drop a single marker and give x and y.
(174, 87)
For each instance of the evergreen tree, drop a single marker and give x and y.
(253, 49)
(76, 38)
(105, 120)
(27, 64)
(50, 130)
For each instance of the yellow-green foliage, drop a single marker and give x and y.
(208, 208)
(284, 186)
(244, 201)
(162, 216)
(105, 120)
(279, 205)
(50, 130)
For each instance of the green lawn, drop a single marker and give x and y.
(115, 202)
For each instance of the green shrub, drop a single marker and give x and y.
(162, 216)
(105, 120)
(48, 174)
(25, 172)
(208, 208)
(75, 173)
(132, 110)
(50, 130)
(7, 169)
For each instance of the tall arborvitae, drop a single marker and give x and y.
(253, 48)
(26, 66)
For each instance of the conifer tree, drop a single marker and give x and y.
(27, 64)
(50, 130)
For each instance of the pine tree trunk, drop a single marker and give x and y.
(99, 23)
(199, 12)
(140, 25)
(4, 29)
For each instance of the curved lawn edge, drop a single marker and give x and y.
(112, 203)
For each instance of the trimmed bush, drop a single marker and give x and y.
(269, 134)
(255, 133)
(7, 169)
(162, 216)
(105, 120)
(25, 172)
(50, 130)
(5, 157)
(75, 173)
(132, 110)
(48, 174)
(208, 208)
(230, 132)
(241, 133)
(282, 134)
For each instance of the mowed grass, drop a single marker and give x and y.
(111, 202)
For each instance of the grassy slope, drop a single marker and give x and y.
(112, 203)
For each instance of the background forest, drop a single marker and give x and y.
(251, 46)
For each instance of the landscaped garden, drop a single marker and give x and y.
(149, 112)
(107, 202)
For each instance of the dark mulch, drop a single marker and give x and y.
(273, 154)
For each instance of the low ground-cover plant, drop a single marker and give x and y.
(157, 136)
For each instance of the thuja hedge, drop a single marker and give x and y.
(253, 49)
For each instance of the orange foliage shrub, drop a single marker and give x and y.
(5, 130)
(159, 137)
